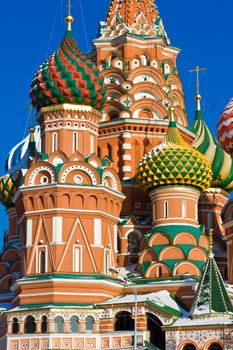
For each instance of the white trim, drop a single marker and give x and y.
(66, 293)
(184, 209)
(39, 187)
(54, 142)
(107, 261)
(92, 144)
(29, 233)
(68, 210)
(57, 225)
(127, 157)
(126, 135)
(177, 218)
(115, 237)
(115, 283)
(126, 168)
(179, 223)
(126, 146)
(97, 232)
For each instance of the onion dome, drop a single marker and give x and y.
(221, 162)
(67, 77)
(8, 188)
(174, 162)
(18, 156)
(225, 128)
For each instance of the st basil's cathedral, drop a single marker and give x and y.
(120, 232)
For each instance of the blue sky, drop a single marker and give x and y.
(32, 30)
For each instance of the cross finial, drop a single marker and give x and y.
(69, 18)
(69, 7)
(197, 70)
(211, 242)
(171, 108)
(31, 129)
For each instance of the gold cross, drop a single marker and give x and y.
(197, 70)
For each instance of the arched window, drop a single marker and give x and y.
(189, 347)
(74, 324)
(133, 243)
(165, 209)
(89, 324)
(15, 326)
(156, 334)
(144, 60)
(58, 325)
(215, 346)
(44, 324)
(42, 262)
(167, 68)
(30, 325)
(124, 321)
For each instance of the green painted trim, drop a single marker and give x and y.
(72, 276)
(58, 305)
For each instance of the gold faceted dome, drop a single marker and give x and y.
(174, 162)
(8, 188)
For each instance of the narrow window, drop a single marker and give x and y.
(75, 141)
(30, 325)
(159, 272)
(184, 214)
(92, 144)
(74, 324)
(44, 324)
(89, 324)
(165, 209)
(58, 324)
(54, 142)
(15, 326)
(42, 262)
(77, 259)
(107, 261)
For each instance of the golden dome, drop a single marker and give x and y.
(174, 162)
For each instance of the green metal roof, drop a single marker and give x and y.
(211, 298)
(173, 230)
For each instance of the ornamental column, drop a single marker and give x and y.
(126, 155)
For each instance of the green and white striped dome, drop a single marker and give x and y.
(221, 162)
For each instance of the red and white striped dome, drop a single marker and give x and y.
(225, 128)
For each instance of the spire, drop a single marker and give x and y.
(32, 143)
(69, 18)
(128, 10)
(197, 70)
(212, 299)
